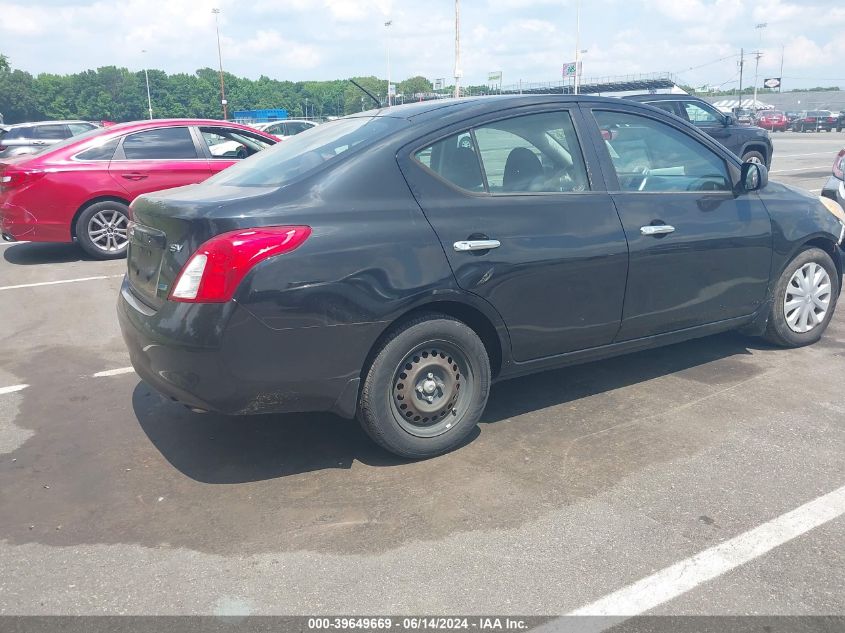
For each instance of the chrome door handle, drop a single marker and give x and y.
(476, 245)
(657, 229)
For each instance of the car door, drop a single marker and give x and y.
(524, 228)
(156, 159)
(710, 121)
(699, 252)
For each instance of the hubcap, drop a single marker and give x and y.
(108, 230)
(755, 160)
(807, 299)
(430, 389)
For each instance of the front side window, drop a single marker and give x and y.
(231, 144)
(700, 115)
(295, 127)
(277, 129)
(649, 155)
(162, 144)
(79, 128)
(536, 153)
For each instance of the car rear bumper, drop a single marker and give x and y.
(834, 189)
(18, 223)
(219, 357)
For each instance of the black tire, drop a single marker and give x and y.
(839, 129)
(752, 155)
(88, 223)
(428, 348)
(778, 330)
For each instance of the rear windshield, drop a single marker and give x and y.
(306, 152)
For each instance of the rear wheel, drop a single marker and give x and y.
(102, 230)
(426, 388)
(804, 300)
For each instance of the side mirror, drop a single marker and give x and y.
(729, 119)
(755, 176)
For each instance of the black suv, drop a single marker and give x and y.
(748, 142)
(29, 138)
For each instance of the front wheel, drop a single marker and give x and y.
(754, 157)
(102, 230)
(804, 300)
(426, 388)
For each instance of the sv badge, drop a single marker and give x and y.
(176, 248)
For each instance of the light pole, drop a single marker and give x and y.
(760, 28)
(216, 13)
(458, 72)
(577, 41)
(147, 78)
(387, 31)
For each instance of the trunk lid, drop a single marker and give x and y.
(169, 226)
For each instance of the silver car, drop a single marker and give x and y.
(29, 138)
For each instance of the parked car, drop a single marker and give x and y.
(288, 127)
(814, 121)
(80, 189)
(29, 138)
(773, 121)
(378, 268)
(748, 142)
(840, 120)
(744, 116)
(834, 188)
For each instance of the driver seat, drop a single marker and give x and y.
(521, 169)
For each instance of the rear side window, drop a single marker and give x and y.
(537, 153)
(295, 127)
(100, 152)
(162, 144)
(16, 133)
(277, 129)
(51, 132)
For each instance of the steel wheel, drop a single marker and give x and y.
(108, 230)
(807, 298)
(431, 388)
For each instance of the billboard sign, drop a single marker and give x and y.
(570, 69)
(773, 82)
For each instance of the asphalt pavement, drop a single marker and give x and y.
(582, 487)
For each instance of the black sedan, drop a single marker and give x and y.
(390, 265)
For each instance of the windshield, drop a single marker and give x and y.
(305, 152)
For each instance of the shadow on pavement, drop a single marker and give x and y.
(219, 449)
(31, 254)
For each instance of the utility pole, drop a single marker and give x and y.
(577, 41)
(216, 13)
(782, 51)
(147, 78)
(741, 64)
(760, 28)
(458, 72)
(387, 30)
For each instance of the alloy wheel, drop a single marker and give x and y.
(108, 230)
(807, 298)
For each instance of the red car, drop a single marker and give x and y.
(774, 121)
(80, 189)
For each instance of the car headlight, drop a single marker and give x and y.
(834, 208)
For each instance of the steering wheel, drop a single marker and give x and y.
(242, 153)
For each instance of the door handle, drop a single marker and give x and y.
(134, 176)
(657, 229)
(475, 245)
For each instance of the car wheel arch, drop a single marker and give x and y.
(490, 330)
(88, 203)
(755, 147)
(828, 246)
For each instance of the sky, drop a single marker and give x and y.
(527, 40)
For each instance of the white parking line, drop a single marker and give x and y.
(689, 573)
(780, 156)
(12, 389)
(783, 171)
(63, 281)
(114, 372)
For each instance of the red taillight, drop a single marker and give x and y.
(215, 270)
(12, 178)
(839, 165)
